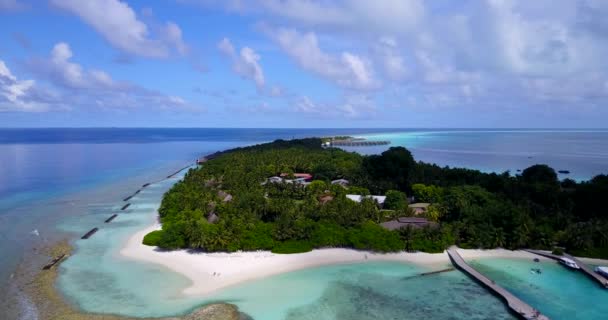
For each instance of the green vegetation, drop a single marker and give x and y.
(473, 209)
(395, 200)
(153, 238)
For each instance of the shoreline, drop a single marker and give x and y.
(47, 302)
(211, 272)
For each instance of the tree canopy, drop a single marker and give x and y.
(472, 209)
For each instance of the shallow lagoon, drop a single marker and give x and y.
(558, 292)
(373, 290)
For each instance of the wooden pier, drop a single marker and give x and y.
(583, 267)
(108, 220)
(89, 234)
(358, 143)
(517, 306)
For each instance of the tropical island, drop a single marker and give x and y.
(295, 196)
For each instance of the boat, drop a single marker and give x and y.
(569, 263)
(602, 271)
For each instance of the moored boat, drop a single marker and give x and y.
(602, 271)
(569, 263)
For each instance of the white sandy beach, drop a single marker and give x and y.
(210, 272)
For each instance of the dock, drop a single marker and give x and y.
(358, 143)
(517, 306)
(89, 234)
(125, 206)
(583, 267)
(108, 220)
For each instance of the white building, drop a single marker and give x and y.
(342, 182)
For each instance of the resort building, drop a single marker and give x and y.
(301, 179)
(274, 179)
(342, 182)
(419, 208)
(212, 218)
(326, 198)
(224, 196)
(306, 176)
(405, 222)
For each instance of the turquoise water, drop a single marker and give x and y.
(583, 152)
(98, 279)
(558, 292)
(373, 290)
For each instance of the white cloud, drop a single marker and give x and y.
(5, 72)
(61, 69)
(173, 35)
(383, 16)
(346, 69)
(16, 95)
(497, 53)
(246, 63)
(119, 25)
(356, 106)
(85, 88)
(305, 105)
(393, 62)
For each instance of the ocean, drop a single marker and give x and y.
(58, 183)
(584, 153)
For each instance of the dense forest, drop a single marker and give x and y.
(227, 204)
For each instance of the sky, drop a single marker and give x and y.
(304, 63)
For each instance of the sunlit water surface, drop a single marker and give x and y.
(557, 292)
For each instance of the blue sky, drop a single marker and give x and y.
(304, 63)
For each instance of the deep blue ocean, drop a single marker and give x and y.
(55, 182)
